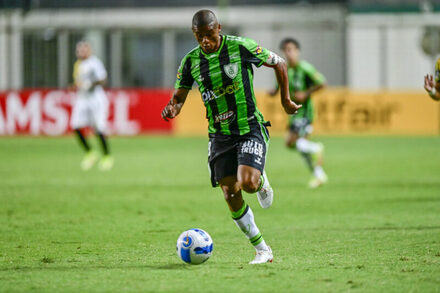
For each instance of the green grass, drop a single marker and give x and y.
(374, 228)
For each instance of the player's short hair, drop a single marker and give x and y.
(204, 17)
(286, 41)
(83, 43)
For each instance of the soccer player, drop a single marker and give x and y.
(432, 84)
(222, 67)
(91, 105)
(304, 80)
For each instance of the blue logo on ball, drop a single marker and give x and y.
(187, 241)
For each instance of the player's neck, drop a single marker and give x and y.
(219, 44)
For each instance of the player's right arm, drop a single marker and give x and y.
(183, 85)
(172, 109)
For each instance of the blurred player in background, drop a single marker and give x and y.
(304, 80)
(432, 84)
(222, 67)
(91, 105)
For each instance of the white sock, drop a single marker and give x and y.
(307, 146)
(318, 172)
(244, 219)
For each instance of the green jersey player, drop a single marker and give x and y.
(304, 80)
(222, 67)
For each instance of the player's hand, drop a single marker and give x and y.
(291, 107)
(429, 83)
(169, 112)
(300, 97)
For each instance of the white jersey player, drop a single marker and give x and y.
(91, 105)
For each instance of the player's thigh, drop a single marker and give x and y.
(80, 114)
(252, 151)
(301, 127)
(222, 164)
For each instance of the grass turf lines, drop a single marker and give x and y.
(374, 227)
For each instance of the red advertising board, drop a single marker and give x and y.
(48, 111)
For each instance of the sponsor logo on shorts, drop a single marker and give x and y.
(253, 148)
(179, 75)
(223, 117)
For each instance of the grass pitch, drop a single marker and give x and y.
(374, 228)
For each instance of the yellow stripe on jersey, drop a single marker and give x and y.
(76, 71)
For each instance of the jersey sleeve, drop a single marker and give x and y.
(184, 78)
(437, 71)
(255, 54)
(99, 71)
(316, 76)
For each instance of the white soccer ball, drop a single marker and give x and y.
(194, 246)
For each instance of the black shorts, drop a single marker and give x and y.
(301, 126)
(226, 153)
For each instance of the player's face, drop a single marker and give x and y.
(83, 51)
(291, 52)
(208, 37)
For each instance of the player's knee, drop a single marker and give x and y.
(249, 183)
(229, 191)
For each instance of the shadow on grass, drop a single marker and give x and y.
(55, 267)
(383, 228)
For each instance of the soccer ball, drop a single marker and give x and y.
(194, 246)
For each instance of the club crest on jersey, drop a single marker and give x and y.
(231, 70)
(258, 51)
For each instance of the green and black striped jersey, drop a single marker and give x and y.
(225, 80)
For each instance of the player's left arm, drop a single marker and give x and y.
(261, 56)
(100, 75)
(280, 67)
